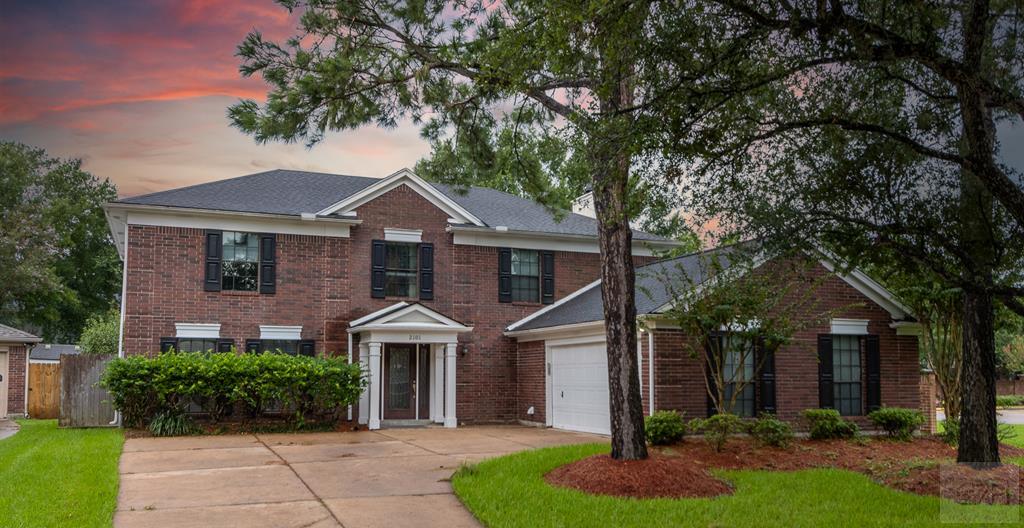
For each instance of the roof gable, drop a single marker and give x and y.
(654, 296)
(348, 205)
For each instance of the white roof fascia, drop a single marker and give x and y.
(548, 308)
(407, 177)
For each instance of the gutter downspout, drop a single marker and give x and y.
(650, 368)
(124, 294)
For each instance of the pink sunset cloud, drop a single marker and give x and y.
(139, 90)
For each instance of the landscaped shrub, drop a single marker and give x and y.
(719, 428)
(1009, 400)
(827, 423)
(770, 431)
(306, 388)
(896, 422)
(664, 427)
(950, 432)
(172, 423)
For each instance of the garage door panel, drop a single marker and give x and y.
(579, 382)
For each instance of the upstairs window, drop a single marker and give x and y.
(525, 275)
(400, 269)
(240, 261)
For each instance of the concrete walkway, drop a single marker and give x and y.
(392, 478)
(7, 428)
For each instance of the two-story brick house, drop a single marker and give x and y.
(426, 286)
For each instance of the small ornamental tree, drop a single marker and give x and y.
(739, 314)
(100, 334)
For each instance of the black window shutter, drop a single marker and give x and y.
(268, 263)
(504, 275)
(225, 345)
(874, 370)
(212, 260)
(426, 272)
(547, 277)
(253, 346)
(826, 398)
(307, 347)
(168, 343)
(766, 391)
(711, 364)
(378, 256)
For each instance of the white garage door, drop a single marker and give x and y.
(579, 388)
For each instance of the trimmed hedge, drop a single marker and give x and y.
(664, 427)
(897, 423)
(827, 423)
(1009, 400)
(306, 388)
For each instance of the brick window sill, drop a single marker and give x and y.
(237, 293)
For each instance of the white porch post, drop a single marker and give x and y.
(364, 398)
(450, 350)
(437, 388)
(375, 385)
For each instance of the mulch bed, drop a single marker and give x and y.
(661, 475)
(255, 426)
(924, 466)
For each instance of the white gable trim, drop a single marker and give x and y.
(546, 309)
(403, 177)
(378, 313)
(870, 289)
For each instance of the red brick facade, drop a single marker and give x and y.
(323, 283)
(17, 356)
(679, 379)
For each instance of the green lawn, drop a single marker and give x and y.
(58, 477)
(510, 492)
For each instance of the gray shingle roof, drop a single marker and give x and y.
(290, 192)
(13, 335)
(654, 285)
(52, 352)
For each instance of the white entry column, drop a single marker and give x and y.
(375, 386)
(450, 350)
(437, 386)
(364, 398)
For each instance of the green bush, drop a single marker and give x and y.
(1009, 400)
(827, 423)
(950, 431)
(101, 333)
(664, 427)
(896, 422)
(172, 423)
(719, 428)
(306, 388)
(770, 431)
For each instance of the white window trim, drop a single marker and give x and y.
(282, 333)
(197, 330)
(849, 326)
(394, 234)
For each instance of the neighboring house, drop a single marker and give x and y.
(14, 345)
(51, 353)
(442, 295)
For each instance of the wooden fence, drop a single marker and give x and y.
(44, 390)
(1010, 387)
(83, 403)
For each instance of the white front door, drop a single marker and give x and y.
(579, 388)
(4, 383)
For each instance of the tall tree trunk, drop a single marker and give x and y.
(610, 164)
(978, 439)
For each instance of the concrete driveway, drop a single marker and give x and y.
(393, 477)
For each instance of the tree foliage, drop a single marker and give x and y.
(101, 334)
(58, 264)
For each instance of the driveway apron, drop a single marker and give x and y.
(391, 477)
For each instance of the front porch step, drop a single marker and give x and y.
(405, 423)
